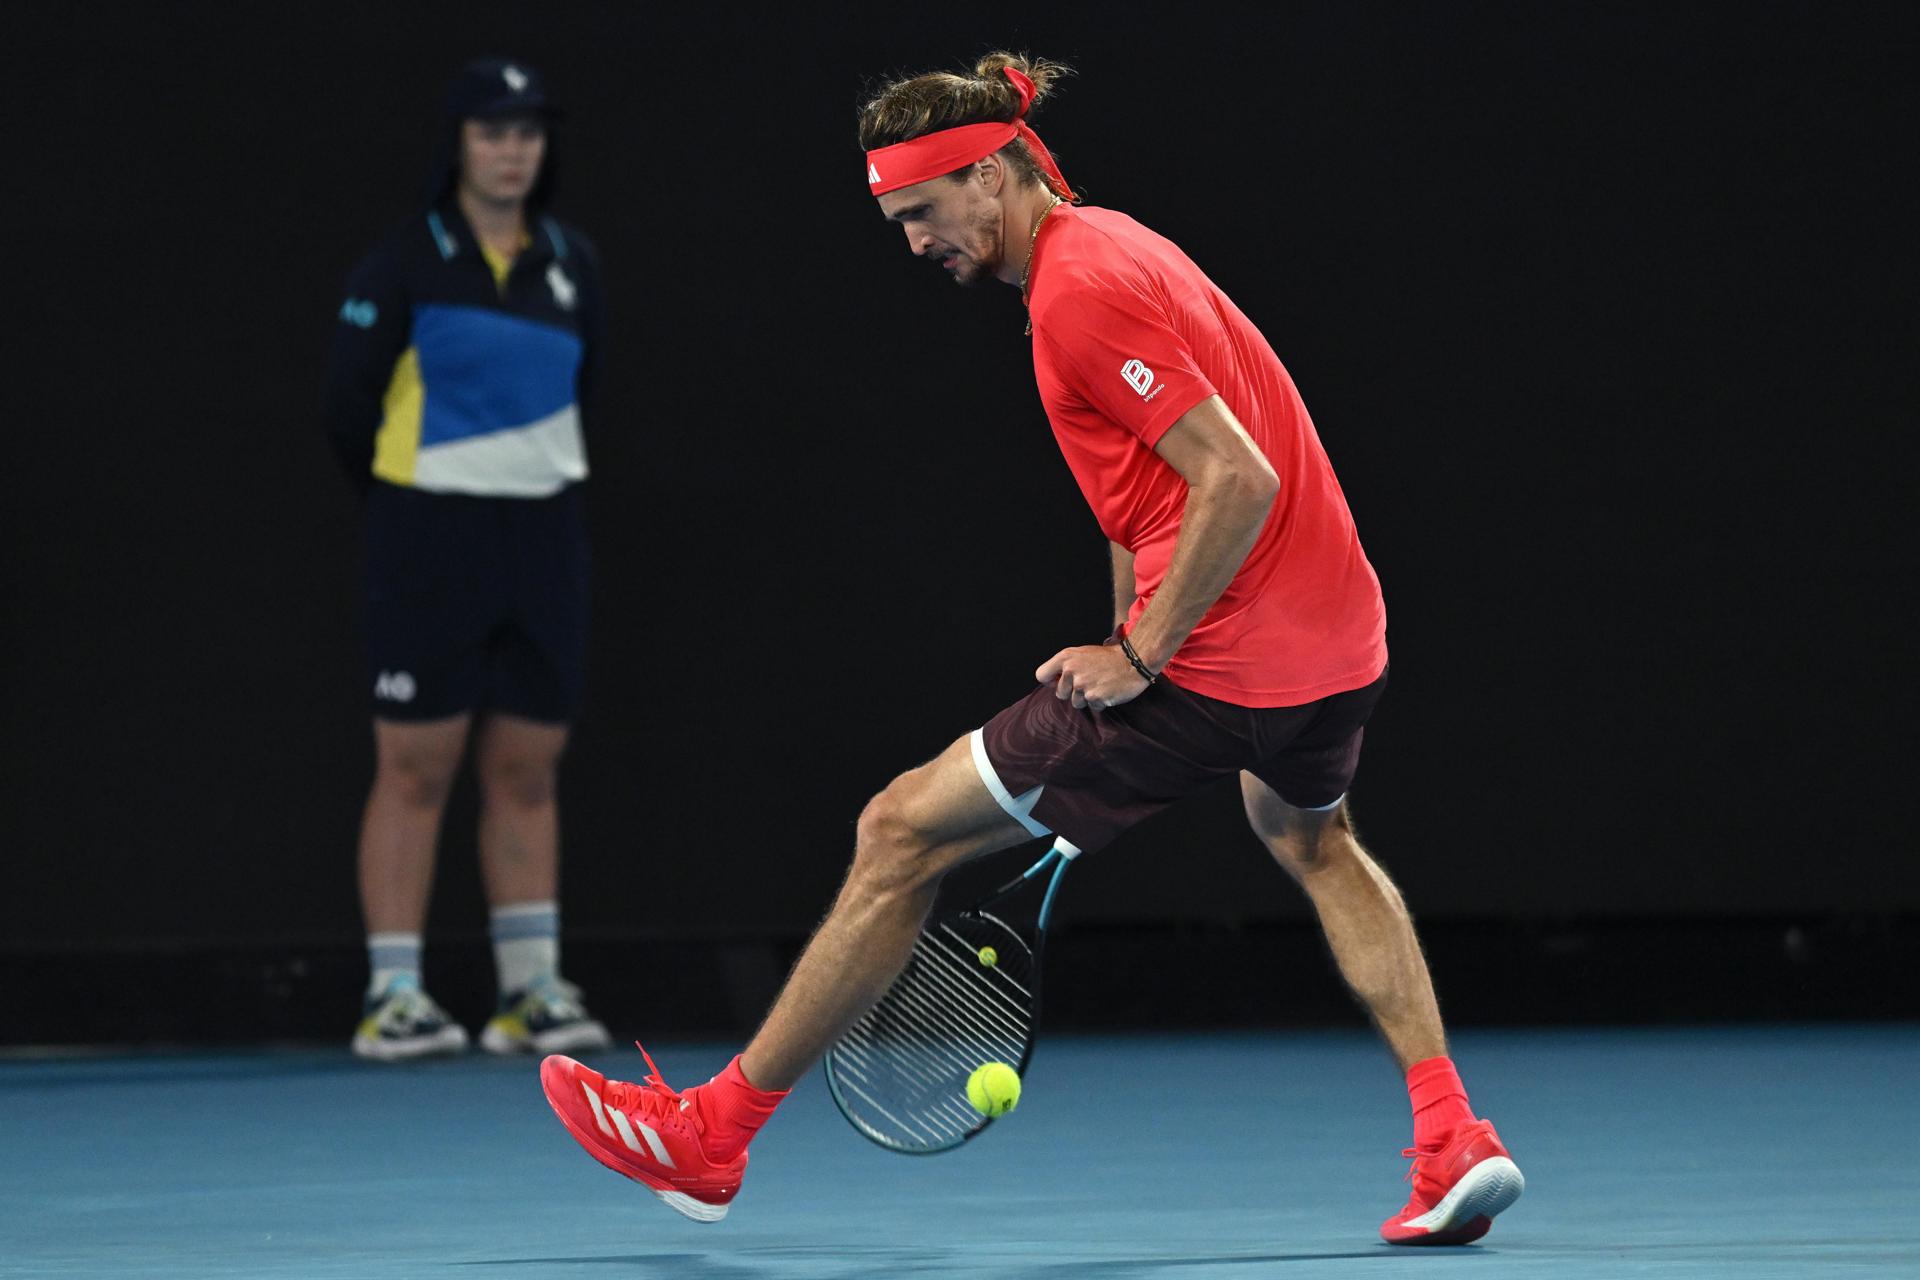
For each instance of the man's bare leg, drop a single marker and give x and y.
(1365, 920)
(1462, 1175)
(927, 822)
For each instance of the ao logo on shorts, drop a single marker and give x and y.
(1138, 376)
(394, 686)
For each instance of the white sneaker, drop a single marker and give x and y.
(402, 1023)
(548, 1017)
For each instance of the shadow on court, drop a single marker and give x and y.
(868, 1264)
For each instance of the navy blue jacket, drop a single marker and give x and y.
(442, 381)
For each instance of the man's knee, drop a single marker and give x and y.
(928, 821)
(1306, 850)
(891, 850)
(1301, 840)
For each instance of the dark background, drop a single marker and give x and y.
(1605, 313)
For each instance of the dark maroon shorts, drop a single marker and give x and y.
(1087, 776)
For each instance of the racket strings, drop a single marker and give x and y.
(903, 1067)
(939, 1014)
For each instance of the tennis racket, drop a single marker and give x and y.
(969, 995)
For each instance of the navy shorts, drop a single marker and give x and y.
(475, 604)
(1087, 776)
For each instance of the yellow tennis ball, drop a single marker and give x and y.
(989, 957)
(994, 1089)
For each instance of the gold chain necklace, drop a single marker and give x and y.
(1026, 272)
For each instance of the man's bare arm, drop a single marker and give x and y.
(1230, 490)
(1123, 589)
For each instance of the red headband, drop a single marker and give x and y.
(933, 154)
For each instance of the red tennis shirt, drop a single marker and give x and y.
(1127, 336)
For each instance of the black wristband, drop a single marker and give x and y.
(1126, 647)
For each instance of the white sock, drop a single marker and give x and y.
(526, 944)
(392, 957)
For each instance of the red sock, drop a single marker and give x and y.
(733, 1111)
(1439, 1101)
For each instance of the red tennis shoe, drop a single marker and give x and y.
(1458, 1187)
(647, 1132)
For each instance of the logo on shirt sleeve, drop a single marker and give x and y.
(359, 312)
(563, 288)
(1140, 378)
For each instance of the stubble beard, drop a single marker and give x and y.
(977, 270)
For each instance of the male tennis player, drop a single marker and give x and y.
(1250, 641)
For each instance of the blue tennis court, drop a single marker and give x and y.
(1674, 1152)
